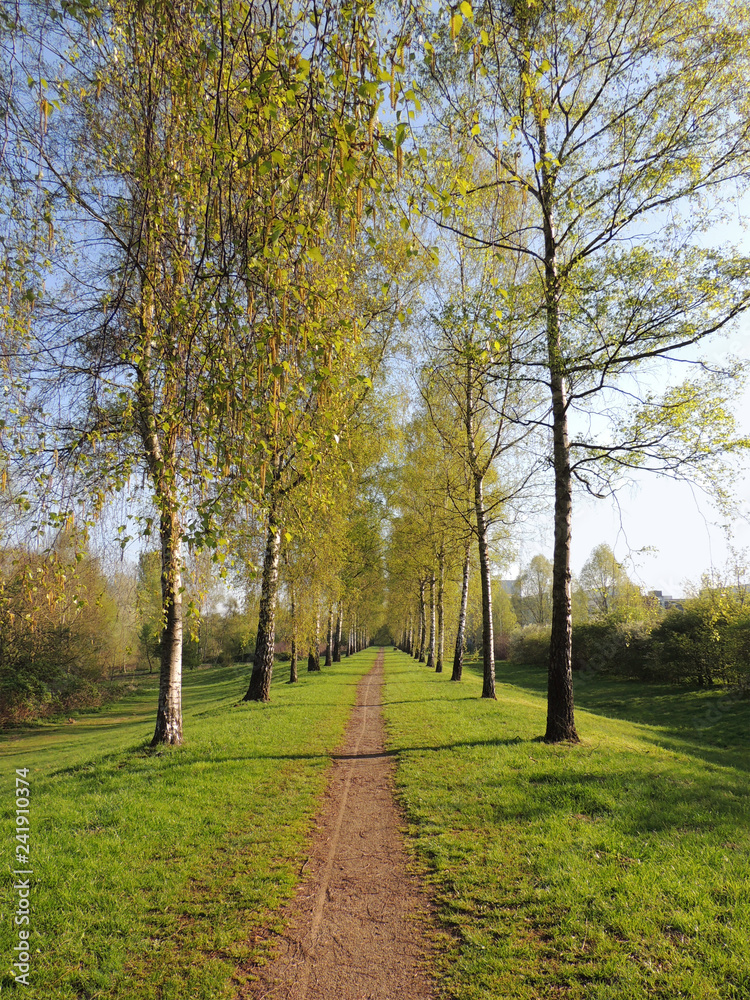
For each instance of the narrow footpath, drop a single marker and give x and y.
(355, 927)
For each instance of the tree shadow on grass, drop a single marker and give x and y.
(702, 722)
(642, 801)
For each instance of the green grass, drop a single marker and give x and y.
(613, 870)
(154, 871)
(617, 869)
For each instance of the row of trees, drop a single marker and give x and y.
(72, 622)
(581, 150)
(191, 294)
(215, 218)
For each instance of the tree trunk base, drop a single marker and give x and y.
(259, 688)
(166, 733)
(252, 697)
(562, 736)
(165, 741)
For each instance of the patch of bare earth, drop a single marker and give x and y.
(355, 930)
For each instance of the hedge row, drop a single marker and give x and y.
(706, 642)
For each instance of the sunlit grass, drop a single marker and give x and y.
(613, 870)
(153, 871)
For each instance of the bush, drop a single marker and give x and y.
(502, 646)
(614, 645)
(56, 627)
(707, 641)
(191, 652)
(739, 640)
(531, 645)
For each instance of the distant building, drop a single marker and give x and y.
(666, 601)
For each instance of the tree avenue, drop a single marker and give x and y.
(222, 239)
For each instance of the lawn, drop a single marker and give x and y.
(613, 870)
(616, 869)
(155, 871)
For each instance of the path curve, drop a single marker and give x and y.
(355, 928)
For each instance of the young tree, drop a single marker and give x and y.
(607, 584)
(533, 592)
(467, 386)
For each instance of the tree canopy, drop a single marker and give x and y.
(232, 235)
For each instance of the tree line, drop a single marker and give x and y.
(221, 223)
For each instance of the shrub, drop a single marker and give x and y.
(502, 646)
(530, 644)
(615, 646)
(56, 632)
(707, 641)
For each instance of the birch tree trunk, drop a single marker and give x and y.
(162, 464)
(169, 710)
(560, 711)
(458, 656)
(440, 610)
(329, 638)
(259, 688)
(488, 639)
(293, 660)
(337, 637)
(431, 654)
(316, 646)
(422, 621)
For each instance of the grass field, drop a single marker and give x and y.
(615, 870)
(153, 871)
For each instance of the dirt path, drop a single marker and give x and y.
(354, 930)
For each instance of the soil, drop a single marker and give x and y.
(356, 930)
